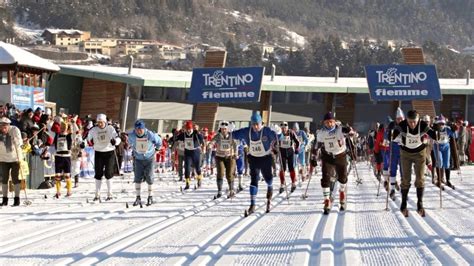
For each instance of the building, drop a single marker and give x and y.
(160, 97)
(62, 37)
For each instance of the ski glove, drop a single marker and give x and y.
(112, 141)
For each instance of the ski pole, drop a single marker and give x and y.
(118, 169)
(389, 168)
(439, 173)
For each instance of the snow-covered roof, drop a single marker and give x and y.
(11, 54)
(182, 79)
(70, 31)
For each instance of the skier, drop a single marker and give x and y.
(442, 151)
(380, 148)
(103, 138)
(240, 161)
(412, 153)
(62, 158)
(178, 146)
(289, 146)
(392, 156)
(226, 152)
(300, 156)
(193, 146)
(261, 140)
(144, 144)
(10, 156)
(331, 141)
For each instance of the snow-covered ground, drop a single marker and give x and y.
(193, 229)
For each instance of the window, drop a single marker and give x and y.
(298, 97)
(317, 97)
(4, 78)
(278, 97)
(168, 125)
(151, 124)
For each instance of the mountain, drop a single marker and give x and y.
(247, 21)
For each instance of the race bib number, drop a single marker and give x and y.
(62, 144)
(189, 144)
(142, 146)
(102, 137)
(225, 145)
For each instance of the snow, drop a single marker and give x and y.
(294, 37)
(27, 32)
(193, 229)
(11, 54)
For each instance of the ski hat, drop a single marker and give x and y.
(389, 119)
(426, 118)
(296, 126)
(328, 116)
(5, 121)
(188, 124)
(440, 120)
(465, 123)
(101, 117)
(48, 111)
(256, 118)
(224, 124)
(400, 113)
(139, 124)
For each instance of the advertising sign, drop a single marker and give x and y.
(224, 85)
(403, 82)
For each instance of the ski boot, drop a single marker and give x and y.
(281, 190)
(76, 181)
(397, 186)
(240, 188)
(293, 187)
(16, 201)
(219, 194)
(57, 195)
(393, 195)
(439, 185)
(385, 185)
(138, 201)
(199, 181)
(342, 201)
(69, 194)
(109, 197)
(188, 180)
(327, 206)
(420, 209)
(403, 205)
(231, 194)
(97, 197)
(269, 200)
(5, 201)
(419, 195)
(149, 200)
(250, 210)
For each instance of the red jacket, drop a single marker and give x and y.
(379, 137)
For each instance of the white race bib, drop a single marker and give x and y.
(62, 144)
(443, 137)
(225, 145)
(413, 141)
(102, 137)
(257, 149)
(285, 142)
(142, 145)
(189, 144)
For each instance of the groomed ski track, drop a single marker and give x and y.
(194, 229)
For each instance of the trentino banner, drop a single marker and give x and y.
(403, 82)
(224, 85)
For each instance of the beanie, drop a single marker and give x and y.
(139, 124)
(256, 118)
(328, 116)
(400, 113)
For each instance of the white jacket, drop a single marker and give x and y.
(102, 137)
(10, 157)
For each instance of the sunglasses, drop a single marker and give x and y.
(224, 124)
(284, 125)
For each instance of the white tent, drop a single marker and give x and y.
(11, 54)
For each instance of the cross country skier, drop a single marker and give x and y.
(104, 138)
(144, 144)
(62, 158)
(193, 145)
(442, 151)
(226, 152)
(10, 156)
(332, 142)
(260, 140)
(300, 155)
(392, 155)
(240, 161)
(289, 145)
(178, 147)
(380, 148)
(429, 148)
(412, 153)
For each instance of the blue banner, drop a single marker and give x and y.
(22, 97)
(224, 85)
(403, 82)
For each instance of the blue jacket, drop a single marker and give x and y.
(302, 135)
(153, 142)
(268, 136)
